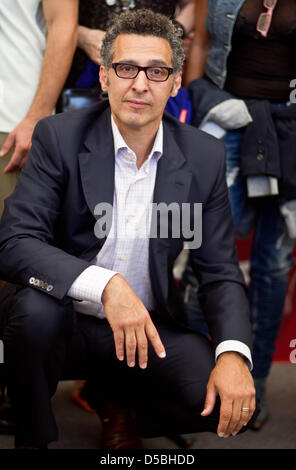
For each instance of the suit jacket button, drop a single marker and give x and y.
(32, 280)
(49, 288)
(36, 282)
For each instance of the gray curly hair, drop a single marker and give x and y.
(144, 22)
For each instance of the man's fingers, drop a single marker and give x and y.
(235, 423)
(119, 343)
(155, 340)
(126, 314)
(248, 406)
(135, 341)
(142, 348)
(245, 416)
(209, 401)
(130, 347)
(225, 417)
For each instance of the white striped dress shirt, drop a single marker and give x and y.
(126, 249)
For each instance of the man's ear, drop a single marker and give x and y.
(103, 78)
(177, 84)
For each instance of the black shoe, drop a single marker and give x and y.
(7, 424)
(263, 415)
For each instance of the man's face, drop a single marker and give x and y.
(139, 102)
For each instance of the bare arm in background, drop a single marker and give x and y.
(61, 18)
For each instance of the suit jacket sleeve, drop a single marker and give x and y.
(27, 228)
(222, 287)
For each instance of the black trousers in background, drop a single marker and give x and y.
(45, 341)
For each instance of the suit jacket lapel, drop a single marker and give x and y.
(97, 165)
(172, 185)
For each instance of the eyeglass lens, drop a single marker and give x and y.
(269, 3)
(264, 22)
(131, 71)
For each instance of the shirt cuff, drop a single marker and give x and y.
(89, 285)
(235, 346)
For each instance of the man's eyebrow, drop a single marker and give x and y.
(151, 62)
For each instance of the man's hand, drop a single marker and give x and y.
(233, 382)
(20, 139)
(131, 323)
(90, 40)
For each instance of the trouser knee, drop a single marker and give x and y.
(37, 320)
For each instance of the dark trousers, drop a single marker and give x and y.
(45, 341)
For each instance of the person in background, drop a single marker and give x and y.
(37, 43)
(241, 62)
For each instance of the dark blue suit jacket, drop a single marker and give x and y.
(47, 230)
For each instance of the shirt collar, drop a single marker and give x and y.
(120, 144)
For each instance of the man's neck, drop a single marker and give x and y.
(140, 140)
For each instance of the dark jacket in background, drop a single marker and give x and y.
(269, 145)
(269, 142)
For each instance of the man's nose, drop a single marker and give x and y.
(140, 83)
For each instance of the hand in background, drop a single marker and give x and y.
(20, 139)
(90, 40)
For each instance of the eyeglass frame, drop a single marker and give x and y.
(170, 70)
(267, 13)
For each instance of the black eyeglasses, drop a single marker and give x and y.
(156, 73)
